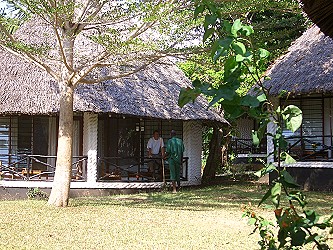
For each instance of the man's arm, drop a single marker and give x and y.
(163, 152)
(149, 153)
(149, 146)
(162, 147)
(167, 150)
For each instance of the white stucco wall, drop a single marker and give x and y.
(192, 136)
(90, 128)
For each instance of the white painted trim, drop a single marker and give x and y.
(81, 185)
(251, 155)
(90, 137)
(308, 164)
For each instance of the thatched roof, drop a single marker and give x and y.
(320, 12)
(306, 68)
(27, 89)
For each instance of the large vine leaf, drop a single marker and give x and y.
(292, 116)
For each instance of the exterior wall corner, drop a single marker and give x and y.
(90, 139)
(192, 137)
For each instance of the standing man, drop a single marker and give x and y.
(155, 149)
(174, 152)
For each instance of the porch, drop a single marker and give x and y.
(312, 144)
(39, 168)
(311, 148)
(113, 152)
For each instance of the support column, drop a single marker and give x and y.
(271, 129)
(192, 137)
(90, 134)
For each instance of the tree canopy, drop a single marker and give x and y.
(277, 25)
(90, 41)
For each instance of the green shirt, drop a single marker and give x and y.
(175, 149)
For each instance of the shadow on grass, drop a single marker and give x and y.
(231, 196)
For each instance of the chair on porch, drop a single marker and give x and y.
(9, 172)
(109, 171)
(38, 169)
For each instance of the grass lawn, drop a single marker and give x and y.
(205, 218)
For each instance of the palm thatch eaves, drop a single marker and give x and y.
(307, 68)
(153, 92)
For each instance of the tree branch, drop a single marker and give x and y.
(26, 55)
(61, 48)
(102, 79)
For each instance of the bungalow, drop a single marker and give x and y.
(306, 73)
(112, 124)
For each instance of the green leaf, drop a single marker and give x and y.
(187, 95)
(262, 98)
(214, 48)
(283, 94)
(239, 48)
(288, 179)
(220, 52)
(237, 25)
(280, 141)
(292, 116)
(208, 33)
(207, 89)
(265, 197)
(312, 216)
(255, 138)
(278, 110)
(265, 170)
(197, 83)
(233, 111)
(298, 238)
(299, 197)
(276, 193)
(250, 101)
(239, 58)
(288, 158)
(262, 128)
(199, 9)
(209, 20)
(263, 53)
(230, 66)
(227, 26)
(252, 221)
(247, 30)
(224, 92)
(226, 42)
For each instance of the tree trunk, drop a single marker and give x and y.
(62, 178)
(214, 158)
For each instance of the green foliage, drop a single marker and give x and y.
(277, 24)
(233, 50)
(292, 116)
(36, 193)
(131, 34)
(237, 55)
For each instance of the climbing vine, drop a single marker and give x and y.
(232, 49)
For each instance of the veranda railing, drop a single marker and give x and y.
(245, 146)
(309, 148)
(136, 169)
(35, 167)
